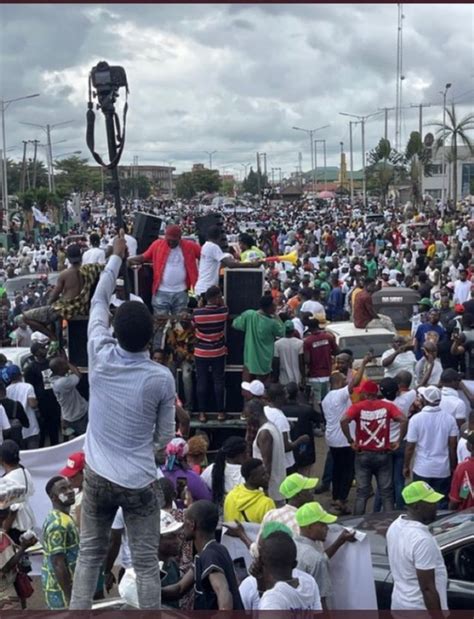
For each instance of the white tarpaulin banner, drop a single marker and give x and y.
(352, 574)
(39, 216)
(43, 464)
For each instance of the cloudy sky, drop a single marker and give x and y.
(234, 78)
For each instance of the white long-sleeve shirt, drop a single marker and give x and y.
(131, 403)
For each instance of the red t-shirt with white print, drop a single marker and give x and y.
(373, 418)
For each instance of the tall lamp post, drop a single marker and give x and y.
(362, 120)
(311, 132)
(210, 153)
(443, 153)
(245, 166)
(4, 105)
(323, 142)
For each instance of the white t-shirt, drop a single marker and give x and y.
(335, 404)
(451, 403)
(288, 350)
(403, 402)
(132, 245)
(315, 307)
(209, 265)
(94, 255)
(411, 547)
(232, 476)
(436, 372)
(462, 291)
(285, 597)
(279, 419)
(248, 590)
(125, 556)
(174, 274)
(403, 361)
(431, 429)
(462, 451)
(21, 392)
(25, 517)
(4, 423)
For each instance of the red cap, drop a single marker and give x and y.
(173, 233)
(369, 387)
(459, 308)
(74, 465)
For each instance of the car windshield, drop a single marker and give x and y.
(360, 344)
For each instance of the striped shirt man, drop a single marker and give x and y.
(210, 324)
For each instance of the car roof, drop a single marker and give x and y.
(347, 329)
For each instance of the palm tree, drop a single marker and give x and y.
(455, 131)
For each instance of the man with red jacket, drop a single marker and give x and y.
(175, 270)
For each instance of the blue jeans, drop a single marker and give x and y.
(440, 484)
(169, 302)
(368, 464)
(141, 509)
(398, 481)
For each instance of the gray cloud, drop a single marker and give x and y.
(233, 78)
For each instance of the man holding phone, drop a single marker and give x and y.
(399, 358)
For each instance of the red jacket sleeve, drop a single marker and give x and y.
(148, 254)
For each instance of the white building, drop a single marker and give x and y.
(433, 185)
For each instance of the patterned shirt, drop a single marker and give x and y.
(60, 536)
(79, 306)
(210, 324)
(7, 580)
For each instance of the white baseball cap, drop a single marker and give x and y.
(256, 388)
(431, 394)
(168, 524)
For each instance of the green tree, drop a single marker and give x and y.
(227, 187)
(184, 186)
(455, 132)
(251, 183)
(383, 168)
(73, 174)
(205, 180)
(139, 186)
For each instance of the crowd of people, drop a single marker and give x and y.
(146, 495)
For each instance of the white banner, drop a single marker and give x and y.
(39, 216)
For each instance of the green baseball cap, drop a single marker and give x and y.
(270, 527)
(420, 491)
(426, 302)
(289, 326)
(295, 483)
(310, 513)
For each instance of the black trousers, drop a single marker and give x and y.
(50, 424)
(216, 366)
(342, 472)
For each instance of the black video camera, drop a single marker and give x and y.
(106, 79)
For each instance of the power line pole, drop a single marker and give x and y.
(386, 110)
(35, 151)
(351, 122)
(23, 167)
(258, 174)
(443, 152)
(311, 132)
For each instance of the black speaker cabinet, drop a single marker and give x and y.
(142, 283)
(205, 222)
(146, 230)
(235, 344)
(77, 341)
(243, 289)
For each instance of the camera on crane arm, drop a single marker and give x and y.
(107, 80)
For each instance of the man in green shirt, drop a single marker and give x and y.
(249, 252)
(371, 266)
(261, 328)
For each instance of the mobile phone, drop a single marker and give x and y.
(240, 569)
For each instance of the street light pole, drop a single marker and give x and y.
(324, 159)
(443, 153)
(351, 122)
(311, 132)
(210, 153)
(4, 105)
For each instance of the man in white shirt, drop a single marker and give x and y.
(288, 357)
(420, 578)
(432, 438)
(312, 303)
(462, 288)
(283, 591)
(25, 394)
(428, 369)
(398, 358)
(212, 258)
(94, 255)
(451, 402)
